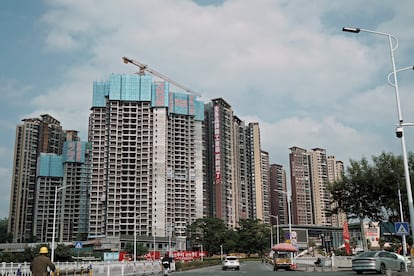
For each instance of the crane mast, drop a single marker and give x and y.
(143, 67)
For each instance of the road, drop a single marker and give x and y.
(255, 268)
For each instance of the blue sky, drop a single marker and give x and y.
(285, 64)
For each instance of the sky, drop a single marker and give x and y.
(286, 64)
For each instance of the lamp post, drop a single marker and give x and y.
(135, 240)
(277, 229)
(404, 242)
(153, 244)
(271, 235)
(289, 199)
(400, 132)
(54, 221)
(400, 119)
(135, 237)
(170, 229)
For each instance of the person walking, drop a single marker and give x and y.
(166, 264)
(40, 264)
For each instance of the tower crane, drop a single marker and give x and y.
(143, 67)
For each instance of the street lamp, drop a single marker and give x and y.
(404, 242)
(135, 240)
(400, 133)
(400, 120)
(289, 199)
(54, 221)
(271, 232)
(153, 246)
(277, 229)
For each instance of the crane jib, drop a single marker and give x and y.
(144, 67)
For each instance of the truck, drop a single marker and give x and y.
(283, 256)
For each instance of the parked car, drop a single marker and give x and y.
(231, 262)
(378, 261)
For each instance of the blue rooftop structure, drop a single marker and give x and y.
(143, 88)
(50, 165)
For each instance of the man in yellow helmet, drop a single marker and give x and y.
(39, 264)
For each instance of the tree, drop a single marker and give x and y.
(63, 253)
(140, 249)
(359, 182)
(381, 243)
(231, 241)
(375, 186)
(209, 232)
(390, 172)
(4, 236)
(254, 236)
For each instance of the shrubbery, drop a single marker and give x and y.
(196, 264)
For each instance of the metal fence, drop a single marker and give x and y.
(88, 268)
(334, 261)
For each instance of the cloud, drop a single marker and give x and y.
(5, 180)
(285, 64)
(336, 138)
(296, 71)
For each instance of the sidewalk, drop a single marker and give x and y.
(313, 268)
(410, 272)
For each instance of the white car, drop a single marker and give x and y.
(231, 262)
(377, 261)
(404, 259)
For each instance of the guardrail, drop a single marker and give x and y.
(88, 268)
(334, 261)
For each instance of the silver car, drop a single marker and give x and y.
(378, 261)
(406, 259)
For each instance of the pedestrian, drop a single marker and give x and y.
(318, 262)
(41, 265)
(166, 264)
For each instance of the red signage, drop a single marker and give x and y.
(346, 237)
(217, 155)
(178, 255)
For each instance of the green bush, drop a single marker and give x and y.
(179, 266)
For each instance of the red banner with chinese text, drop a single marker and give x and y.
(346, 237)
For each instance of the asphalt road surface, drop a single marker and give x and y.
(256, 268)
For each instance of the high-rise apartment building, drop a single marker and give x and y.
(279, 208)
(255, 171)
(33, 136)
(221, 157)
(265, 200)
(243, 189)
(237, 181)
(301, 184)
(147, 165)
(69, 173)
(320, 191)
(335, 171)
(311, 173)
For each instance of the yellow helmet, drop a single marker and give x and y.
(43, 250)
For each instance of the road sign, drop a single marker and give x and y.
(78, 244)
(401, 229)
